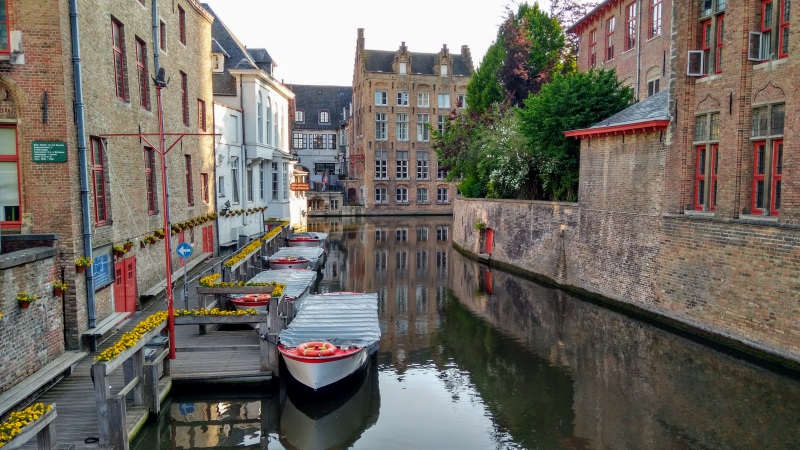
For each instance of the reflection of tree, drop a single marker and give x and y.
(528, 397)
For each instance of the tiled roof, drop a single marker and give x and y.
(311, 99)
(421, 63)
(649, 114)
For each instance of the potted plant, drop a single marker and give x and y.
(128, 245)
(82, 263)
(26, 299)
(119, 250)
(59, 287)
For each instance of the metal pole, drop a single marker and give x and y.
(185, 285)
(167, 230)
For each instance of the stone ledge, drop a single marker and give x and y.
(21, 257)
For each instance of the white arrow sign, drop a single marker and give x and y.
(184, 250)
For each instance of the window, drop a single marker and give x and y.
(380, 126)
(249, 185)
(5, 45)
(401, 235)
(401, 195)
(260, 118)
(422, 165)
(441, 195)
(201, 114)
(720, 39)
(401, 171)
(221, 186)
(630, 26)
(610, 23)
(440, 123)
(262, 180)
(268, 125)
(706, 45)
(381, 157)
(299, 116)
(332, 142)
(423, 133)
(424, 99)
(444, 100)
(767, 13)
(187, 172)
(402, 127)
(381, 98)
(706, 138)
(235, 181)
(275, 182)
(120, 66)
(216, 62)
(286, 181)
(204, 187)
(655, 18)
(9, 174)
(150, 180)
(783, 34)
(441, 172)
(422, 195)
(299, 140)
(317, 141)
(182, 25)
(141, 74)
(442, 233)
(443, 70)
(402, 99)
(380, 197)
(401, 68)
(593, 48)
(767, 134)
(652, 87)
(162, 36)
(185, 98)
(462, 101)
(324, 117)
(422, 234)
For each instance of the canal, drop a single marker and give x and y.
(475, 358)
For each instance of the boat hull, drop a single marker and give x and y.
(260, 306)
(304, 242)
(282, 264)
(319, 372)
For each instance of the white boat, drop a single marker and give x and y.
(298, 284)
(331, 338)
(259, 302)
(314, 255)
(307, 239)
(288, 262)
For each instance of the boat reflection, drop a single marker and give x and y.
(308, 422)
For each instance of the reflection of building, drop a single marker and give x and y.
(253, 163)
(406, 261)
(397, 96)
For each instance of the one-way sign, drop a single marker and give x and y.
(184, 250)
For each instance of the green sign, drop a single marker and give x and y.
(49, 151)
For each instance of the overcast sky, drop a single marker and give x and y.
(314, 41)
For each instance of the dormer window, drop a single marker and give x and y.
(217, 62)
(299, 116)
(443, 70)
(402, 68)
(324, 117)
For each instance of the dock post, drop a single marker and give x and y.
(117, 415)
(101, 397)
(151, 388)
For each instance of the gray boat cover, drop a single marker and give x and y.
(342, 319)
(313, 254)
(311, 234)
(297, 281)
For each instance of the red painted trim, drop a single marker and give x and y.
(630, 128)
(595, 14)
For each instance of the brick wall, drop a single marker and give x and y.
(29, 338)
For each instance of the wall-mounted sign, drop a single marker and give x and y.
(300, 187)
(49, 151)
(102, 266)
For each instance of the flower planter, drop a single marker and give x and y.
(24, 305)
(80, 269)
(58, 292)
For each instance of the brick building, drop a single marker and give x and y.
(396, 94)
(60, 158)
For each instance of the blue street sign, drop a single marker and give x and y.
(184, 250)
(186, 408)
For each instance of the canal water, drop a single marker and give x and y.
(475, 358)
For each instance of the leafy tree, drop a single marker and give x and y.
(568, 12)
(484, 88)
(567, 103)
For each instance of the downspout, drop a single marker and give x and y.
(156, 43)
(638, 49)
(242, 156)
(86, 225)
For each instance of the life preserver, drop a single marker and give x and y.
(316, 349)
(249, 298)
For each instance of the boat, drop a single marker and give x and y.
(259, 302)
(307, 239)
(298, 284)
(331, 338)
(288, 262)
(314, 255)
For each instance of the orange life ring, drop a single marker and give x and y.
(316, 349)
(249, 298)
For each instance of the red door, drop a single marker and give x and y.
(125, 285)
(208, 239)
(489, 240)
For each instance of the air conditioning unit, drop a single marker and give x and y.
(17, 55)
(755, 47)
(694, 64)
(234, 234)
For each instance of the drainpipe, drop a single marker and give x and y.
(156, 43)
(639, 18)
(86, 225)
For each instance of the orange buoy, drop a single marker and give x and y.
(316, 349)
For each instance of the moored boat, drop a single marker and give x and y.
(289, 262)
(331, 338)
(259, 302)
(314, 255)
(307, 239)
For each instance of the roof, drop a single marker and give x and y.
(311, 99)
(650, 114)
(421, 63)
(592, 15)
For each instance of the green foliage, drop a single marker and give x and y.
(567, 103)
(504, 164)
(484, 88)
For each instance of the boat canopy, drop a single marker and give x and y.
(297, 281)
(342, 319)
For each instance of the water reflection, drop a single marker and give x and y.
(474, 358)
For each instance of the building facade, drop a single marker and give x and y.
(397, 96)
(253, 162)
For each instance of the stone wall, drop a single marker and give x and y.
(29, 338)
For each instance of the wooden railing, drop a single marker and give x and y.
(247, 268)
(43, 428)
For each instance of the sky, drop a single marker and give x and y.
(314, 42)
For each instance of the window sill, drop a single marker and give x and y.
(709, 78)
(423, 203)
(758, 218)
(771, 64)
(442, 203)
(694, 212)
(402, 203)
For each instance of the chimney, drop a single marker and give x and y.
(444, 50)
(403, 48)
(360, 41)
(467, 55)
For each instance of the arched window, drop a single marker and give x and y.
(275, 124)
(259, 119)
(269, 120)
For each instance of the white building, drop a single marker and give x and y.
(254, 166)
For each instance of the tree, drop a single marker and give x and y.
(567, 103)
(484, 87)
(569, 12)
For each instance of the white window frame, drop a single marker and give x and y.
(424, 99)
(443, 100)
(381, 98)
(401, 195)
(402, 98)
(401, 130)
